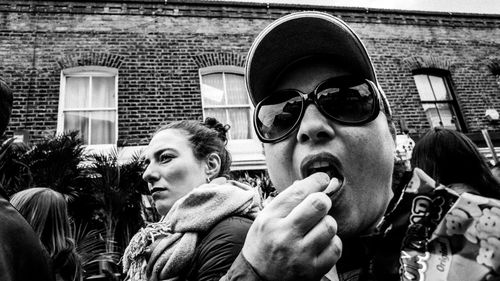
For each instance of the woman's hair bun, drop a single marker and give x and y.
(221, 129)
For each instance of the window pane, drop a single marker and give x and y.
(212, 89)
(439, 87)
(103, 91)
(236, 92)
(77, 121)
(240, 123)
(217, 113)
(103, 127)
(440, 115)
(77, 89)
(423, 87)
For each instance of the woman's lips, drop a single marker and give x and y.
(155, 191)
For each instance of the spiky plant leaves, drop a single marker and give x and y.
(117, 187)
(54, 162)
(103, 193)
(91, 248)
(132, 185)
(258, 179)
(15, 174)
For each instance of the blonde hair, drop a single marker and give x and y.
(47, 212)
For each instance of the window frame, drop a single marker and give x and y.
(233, 70)
(450, 88)
(88, 71)
(246, 154)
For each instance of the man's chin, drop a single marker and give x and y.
(349, 229)
(345, 223)
(349, 223)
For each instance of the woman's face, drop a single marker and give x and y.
(172, 169)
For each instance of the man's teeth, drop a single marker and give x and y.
(322, 164)
(324, 169)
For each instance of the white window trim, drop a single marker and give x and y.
(450, 100)
(221, 68)
(86, 71)
(227, 69)
(247, 154)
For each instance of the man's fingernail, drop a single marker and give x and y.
(320, 204)
(333, 186)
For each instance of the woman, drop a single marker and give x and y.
(452, 159)
(205, 217)
(47, 212)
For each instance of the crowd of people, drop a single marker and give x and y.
(329, 142)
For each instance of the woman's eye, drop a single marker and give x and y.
(164, 158)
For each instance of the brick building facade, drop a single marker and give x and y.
(159, 51)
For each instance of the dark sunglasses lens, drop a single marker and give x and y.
(277, 114)
(352, 104)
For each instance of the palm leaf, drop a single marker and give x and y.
(91, 247)
(14, 172)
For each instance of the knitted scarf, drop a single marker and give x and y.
(172, 241)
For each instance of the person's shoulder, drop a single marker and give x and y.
(229, 228)
(219, 248)
(234, 221)
(21, 254)
(11, 221)
(227, 235)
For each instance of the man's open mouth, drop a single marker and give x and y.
(323, 162)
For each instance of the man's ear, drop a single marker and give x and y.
(213, 164)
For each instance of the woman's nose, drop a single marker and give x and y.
(150, 175)
(314, 127)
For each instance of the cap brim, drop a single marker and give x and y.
(297, 36)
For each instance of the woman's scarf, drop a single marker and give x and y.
(173, 240)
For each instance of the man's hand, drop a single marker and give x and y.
(293, 238)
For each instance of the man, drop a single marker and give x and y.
(21, 254)
(329, 146)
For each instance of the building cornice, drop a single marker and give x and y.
(203, 8)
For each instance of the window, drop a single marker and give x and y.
(224, 97)
(438, 100)
(88, 103)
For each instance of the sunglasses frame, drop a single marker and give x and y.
(311, 98)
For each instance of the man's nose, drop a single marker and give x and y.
(151, 174)
(314, 127)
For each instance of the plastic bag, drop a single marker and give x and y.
(433, 233)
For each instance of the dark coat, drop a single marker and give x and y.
(219, 248)
(21, 255)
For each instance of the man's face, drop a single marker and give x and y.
(363, 154)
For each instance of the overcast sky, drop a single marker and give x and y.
(462, 6)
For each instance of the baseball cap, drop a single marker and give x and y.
(6, 100)
(300, 35)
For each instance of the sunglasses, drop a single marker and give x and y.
(345, 101)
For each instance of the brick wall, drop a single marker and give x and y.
(158, 49)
